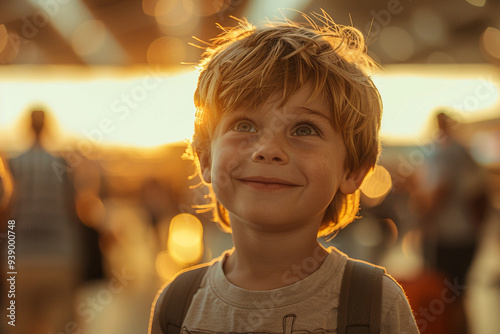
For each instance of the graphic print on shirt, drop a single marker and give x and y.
(288, 328)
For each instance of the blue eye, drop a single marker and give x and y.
(244, 126)
(305, 130)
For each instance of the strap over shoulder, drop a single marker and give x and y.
(359, 306)
(360, 303)
(178, 298)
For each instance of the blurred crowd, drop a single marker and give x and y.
(93, 248)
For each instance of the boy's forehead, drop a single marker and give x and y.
(302, 100)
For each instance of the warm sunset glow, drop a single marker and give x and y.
(144, 110)
(411, 95)
(147, 107)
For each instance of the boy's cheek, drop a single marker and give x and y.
(220, 183)
(221, 174)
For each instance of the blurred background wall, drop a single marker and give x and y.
(115, 80)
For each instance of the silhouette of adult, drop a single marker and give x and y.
(455, 201)
(454, 198)
(47, 247)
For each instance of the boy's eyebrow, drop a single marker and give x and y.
(317, 113)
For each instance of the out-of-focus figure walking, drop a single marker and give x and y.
(453, 205)
(483, 291)
(47, 237)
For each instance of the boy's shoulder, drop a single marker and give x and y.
(188, 282)
(393, 295)
(176, 296)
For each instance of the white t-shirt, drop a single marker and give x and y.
(307, 306)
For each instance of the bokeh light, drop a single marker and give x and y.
(378, 183)
(396, 43)
(9, 45)
(490, 43)
(108, 73)
(429, 26)
(477, 3)
(149, 7)
(369, 233)
(4, 37)
(207, 8)
(185, 239)
(174, 12)
(167, 50)
(485, 147)
(88, 37)
(90, 208)
(166, 266)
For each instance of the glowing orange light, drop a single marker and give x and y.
(166, 266)
(477, 3)
(90, 208)
(491, 42)
(6, 184)
(207, 8)
(185, 239)
(149, 6)
(4, 37)
(378, 184)
(174, 13)
(411, 242)
(166, 50)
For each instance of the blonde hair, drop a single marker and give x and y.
(247, 65)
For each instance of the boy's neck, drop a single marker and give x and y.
(271, 260)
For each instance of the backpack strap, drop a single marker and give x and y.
(360, 303)
(178, 298)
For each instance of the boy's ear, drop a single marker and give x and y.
(353, 180)
(205, 166)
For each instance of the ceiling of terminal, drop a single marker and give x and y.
(135, 32)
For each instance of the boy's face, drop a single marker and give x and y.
(278, 166)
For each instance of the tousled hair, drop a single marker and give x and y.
(245, 66)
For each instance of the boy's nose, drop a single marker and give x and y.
(269, 148)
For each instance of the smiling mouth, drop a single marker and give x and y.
(264, 183)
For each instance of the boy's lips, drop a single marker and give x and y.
(267, 183)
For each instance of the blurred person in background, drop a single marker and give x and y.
(47, 237)
(483, 293)
(453, 201)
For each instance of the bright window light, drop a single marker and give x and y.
(144, 111)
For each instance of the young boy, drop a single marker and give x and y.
(286, 130)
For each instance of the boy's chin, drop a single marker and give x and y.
(272, 222)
